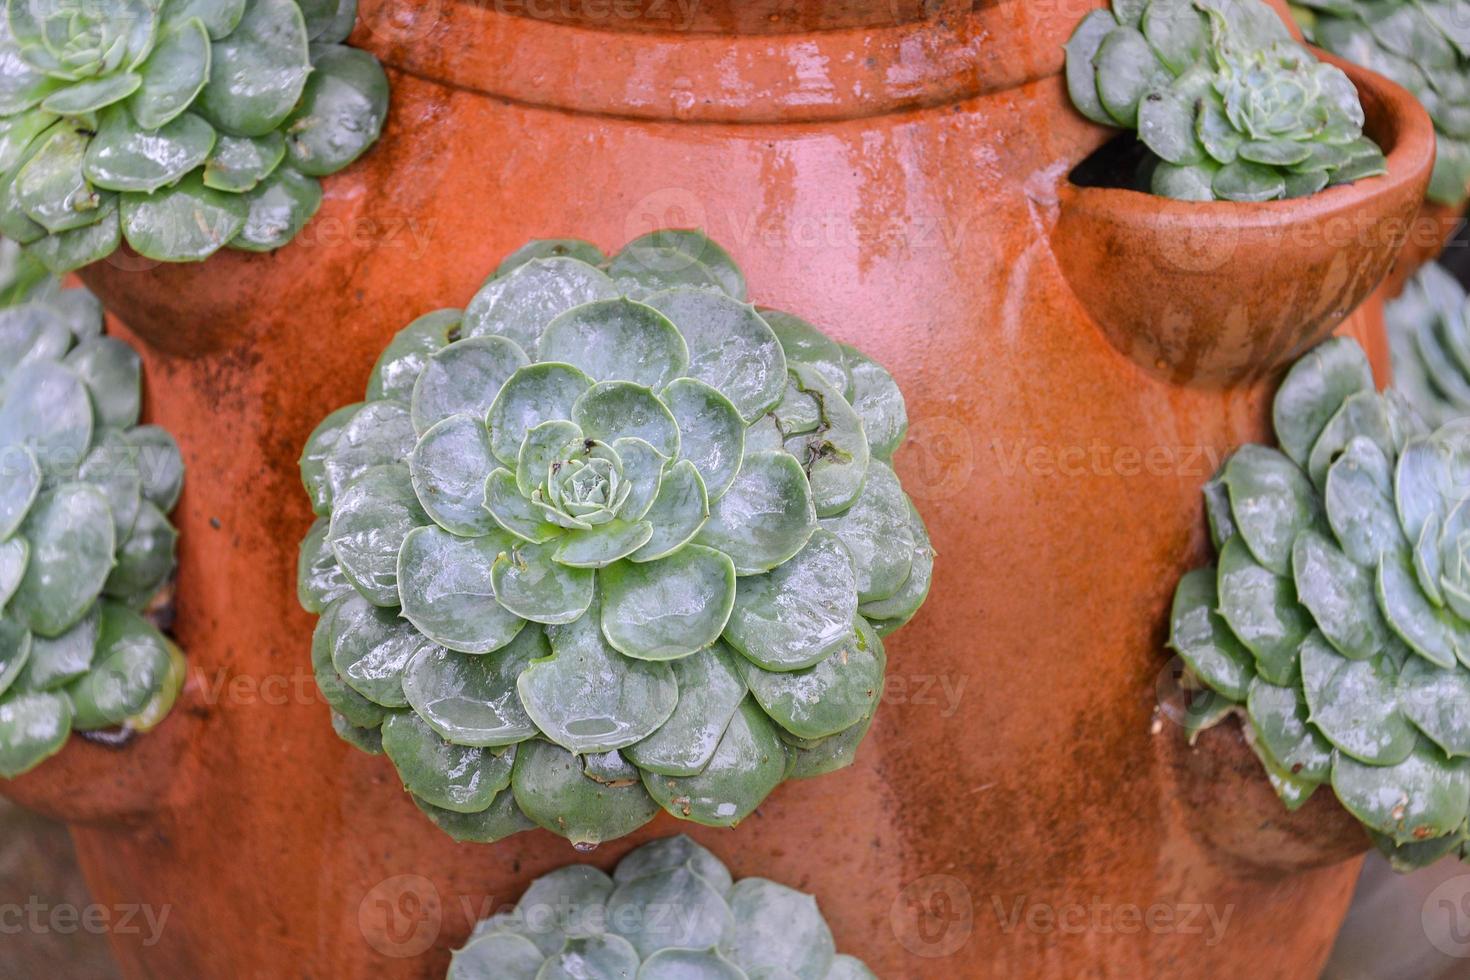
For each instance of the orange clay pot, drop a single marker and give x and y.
(896, 172)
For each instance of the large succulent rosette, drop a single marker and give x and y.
(86, 547)
(669, 911)
(607, 541)
(1336, 619)
(1229, 106)
(1430, 339)
(1424, 45)
(180, 126)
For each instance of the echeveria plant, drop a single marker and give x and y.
(1229, 106)
(669, 911)
(1424, 45)
(181, 126)
(1337, 617)
(86, 547)
(1430, 338)
(609, 540)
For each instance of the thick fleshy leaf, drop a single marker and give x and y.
(668, 853)
(371, 647)
(112, 372)
(318, 448)
(146, 559)
(15, 651)
(340, 113)
(449, 466)
(461, 778)
(617, 340)
(778, 928)
(501, 819)
(805, 344)
(33, 727)
(444, 585)
(570, 900)
(1340, 596)
(187, 222)
(131, 664)
(464, 378)
(1082, 48)
(1313, 391)
(1261, 608)
(643, 471)
(835, 452)
(703, 922)
(521, 304)
(669, 608)
(1424, 796)
(711, 432)
(370, 520)
(876, 533)
(357, 710)
(472, 700)
(258, 71)
(1363, 414)
(878, 401)
(278, 208)
(123, 156)
(1436, 701)
(497, 956)
(552, 791)
(903, 604)
(602, 545)
(239, 163)
(1355, 704)
(1126, 69)
(1360, 505)
(1203, 639)
(319, 579)
(825, 699)
(748, 763)
(1437, 635)
(611, 410)
(20, 481)
(546, 445)
(535, 394)
(1272, 502)
(1246, 182)
(595, 956)
(403, 360)
(51, 187)
(766, 516)
(799, 614)
(72, 542)
(550, 248)
(710, 689)
(1280, 721)
(173, 75)
(689, 964)
(161, 464)
(819, 757)
(588, 698)
(58, 661)
(696, 245)
(731, 348)
(677, 514)
(531, 584)
(643, 271)
(515, 513)
(47, 409)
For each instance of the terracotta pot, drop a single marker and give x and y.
(899, 181)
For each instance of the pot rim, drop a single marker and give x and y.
(1404, 130)
(742, 78)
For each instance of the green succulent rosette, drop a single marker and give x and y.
(1336, 620)
(1424, 45)
(86, 547)
(179, 126)
(609, 540)
(669, 911)
(1227, 104)
(1430, 340)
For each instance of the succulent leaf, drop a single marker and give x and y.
(559, 515)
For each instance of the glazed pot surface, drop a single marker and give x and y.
(1020, 806)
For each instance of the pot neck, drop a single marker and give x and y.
(723, 61)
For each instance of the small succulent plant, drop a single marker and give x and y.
(670, 911)
(181, 126)
(607, 541)
(1337, 617)
(86, 547)
(1424, 45)
(1430, 339)
(1229, 106)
